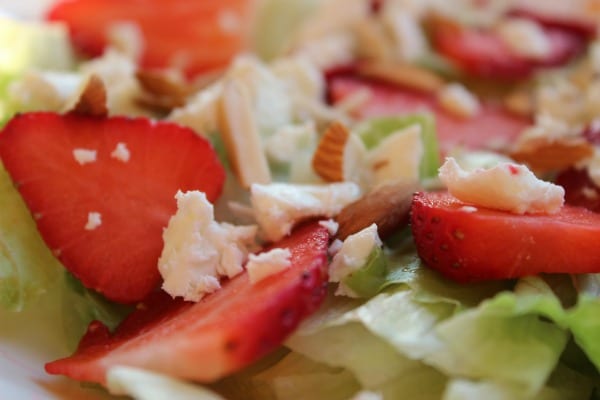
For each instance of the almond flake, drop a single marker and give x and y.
(519, 103)
(92, 100)
(372, 40)
(387, 206)
(240, 135)
(328, 160)
(405, 75)
(543, 155)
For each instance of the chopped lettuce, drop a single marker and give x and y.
(373, 130)
(584, 322)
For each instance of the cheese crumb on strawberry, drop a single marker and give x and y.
(507, 186)
(84, 156)
(525, 37)
(121, 152)
(198, 251)
(353, 255)
(459, 101)
(94, 220)
(331, 226)
(263, 265)
(279, 206)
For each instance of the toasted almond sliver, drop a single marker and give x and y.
(519, 103)
(92, 100)
(552, 156)
(409, 76)
(388, 206)
(372, 40)
(241, 136)
(328, 160)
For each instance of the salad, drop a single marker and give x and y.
(299, 199)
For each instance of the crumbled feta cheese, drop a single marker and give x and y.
(127, 38)
(507, 186)
(263, 265)
(121, 152)
(284, 144)
(352, 256)
(334, 247)
(525, 37)
(201, 112)
(198, 250)
(329, 51)
(301, 75)
(397, 157)
(458, 100)
(278, 206)
(45, 90)
(84, 156)
(331, 226)
(94, 220)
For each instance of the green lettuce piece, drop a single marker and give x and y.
(503, 341)
(584, 322)
(373, 130)
(146, 385)
(371, 278)
(27, 267)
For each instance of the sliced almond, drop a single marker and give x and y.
(545, 156)
(328, 160)
(240, 135)
(372, 40)
(92, 100)
(388, 206)
(519, 103)
(405, 75)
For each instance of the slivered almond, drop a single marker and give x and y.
(328, 160)
(240, 135)
(92, 100)
(388, 206)
(405, 75)
(372, 40)
(519, 103)
(545, 156)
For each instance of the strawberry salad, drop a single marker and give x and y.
(300, 199)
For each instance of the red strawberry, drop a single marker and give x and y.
(580, 190)
(467, 245)
(218, 335)
(482, 53)
(493, 127)
(585, 28)
(134, 199)
(194, 36)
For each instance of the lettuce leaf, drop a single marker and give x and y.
(584, 322)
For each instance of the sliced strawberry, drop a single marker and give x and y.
(218, 335)
(472, 245)
(194, 36)
(134, 198)
(584, 28)
(493, 127)
(580, 190)
(482, 53)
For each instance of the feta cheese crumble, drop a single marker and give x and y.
(278, 206)
(121, 152)
(524, 37)
(94, 220)
(263, 265)
(352, 256)
(198, 251)
(507, 186)
(84, 156)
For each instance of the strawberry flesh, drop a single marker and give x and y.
(473, 245)
(135, 199)
(194, 36)
(580, 190)
(492, 128)
(218, 335)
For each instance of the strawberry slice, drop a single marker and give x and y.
(218, 335)
(194, 36)
(584, 28)
(473, 245)
(116, 253)
(483, 54)
(580, 190)
(492, 128)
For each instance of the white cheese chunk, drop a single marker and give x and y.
(85, 156)
(198, 251)
(263, 265)
(331, 225)
(121, 152)
(279, 206)
(94, 220)
(506, 186)
(459, 101)
(524, 37)
(353, 255)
